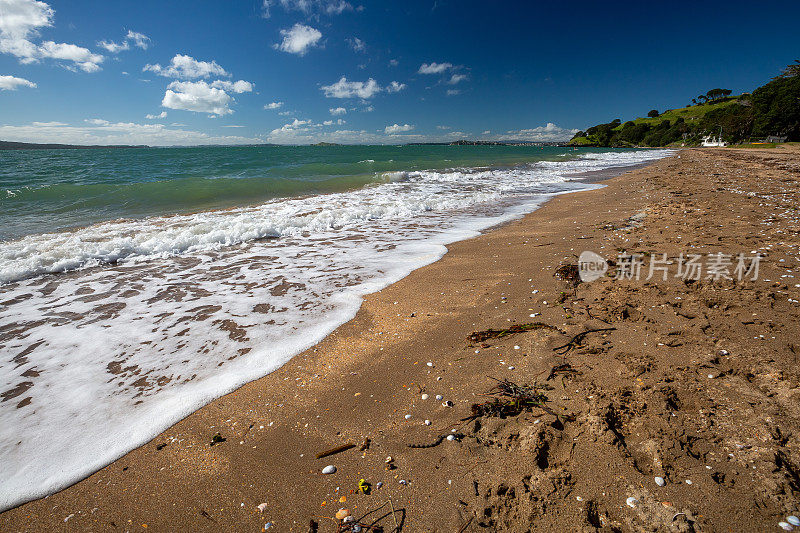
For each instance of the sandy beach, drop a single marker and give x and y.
(693, 382)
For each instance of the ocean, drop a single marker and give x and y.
(137, 285)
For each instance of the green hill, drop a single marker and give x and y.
(773, 109)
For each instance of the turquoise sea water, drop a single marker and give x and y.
(50, 190)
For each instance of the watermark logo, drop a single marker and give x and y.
(591, 266)
(695, 267)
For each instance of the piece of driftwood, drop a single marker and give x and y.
(338, 449)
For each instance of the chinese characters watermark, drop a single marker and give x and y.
(712, 266)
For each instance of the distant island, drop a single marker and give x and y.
(9, 145)
(770, 114)
(464, 142)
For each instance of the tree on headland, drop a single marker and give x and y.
(653, 113)
(694, 101)
(716, 94)
(791, 70)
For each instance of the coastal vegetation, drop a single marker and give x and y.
(772, 110)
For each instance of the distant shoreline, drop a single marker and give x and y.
(9, 145)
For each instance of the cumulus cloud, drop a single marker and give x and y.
(20, 22)
(139, 40)
(100, 131)
(163, 114)
(338, 122)
(11, 83)
(550, 133)
(338, 111)
(394, 129)
(357, 44)
(351, 89)
(442, 127)
(197, 96)
(298, 39)
(307, 7)
(238, 87)
(273, 105)
(434, 68)
(395, 87)
(187, 67)
(457, 78)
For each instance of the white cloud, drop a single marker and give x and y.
(307, 7)
(338, 111)
(357, 44)
(140, 40)
(99, 131)
(457, 78)
(187, 67)
(273, 105)
(233, 126)
(453, 92)
(549, 132)
(197, 96)
(434, 68)
(395, 87)
(298, 39)
(351, 89)
(113, 47)
(284, 113)
(368, 109)
(20, 21)
(442, 127)
(238, 87)
(338, 122)
(393, 62)
(295, 125)
(397, 128)
(163, 114)
(11, 83)
(486, 132)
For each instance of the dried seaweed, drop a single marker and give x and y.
(480, 336)
(569, 273)
(576, 341)
(511, 399)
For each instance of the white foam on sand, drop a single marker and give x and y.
(114, 332)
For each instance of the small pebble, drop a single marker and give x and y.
(785, 526)
(357, 528)
(403, 482)
(447, 403)
(660, 481)
(793, 520)
(451, 437)
(579, 498)
(516, 347)
(512, 367)
(429, 363)
(379, 484)
(427, 422)
(688, 481)
(408, 416)
(439, 397)
(348, 519)
(424, 396)
(267, 526)
(330, 469)
(261, 507)
(631, 501)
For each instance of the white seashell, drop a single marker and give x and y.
(424, 396)
(439, 397)
(403, 482)
(408, 416)
(379, 484)
(785, 526)
(660, 481)
(793, 520)
(388, 459)
(330, 469)
(357, 528)
(262, 507)
(429, 363)
(631, 501)
(688, 481)
(516, 347)
(349, 519)
(427, 422)
(451, 437)
(511, 367)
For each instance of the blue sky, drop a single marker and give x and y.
(201, 72)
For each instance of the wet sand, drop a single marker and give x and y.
(697, 382)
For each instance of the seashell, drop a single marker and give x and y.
(330, 469)
(348, 519)
(424, 396)
(403, 482)
(262, 507)
(389, 459)
(512, 367)
(439, 397)
(357, 528)
(427, 422)
(688, 481)
(785, 526)
(408, 416)
(516, 347)
(379, 484)
(631, 501)
(447, 403)
(451, 437)
(341, 514)
(267, 525)
(660, 481)
(429, 363)
(793, 520)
